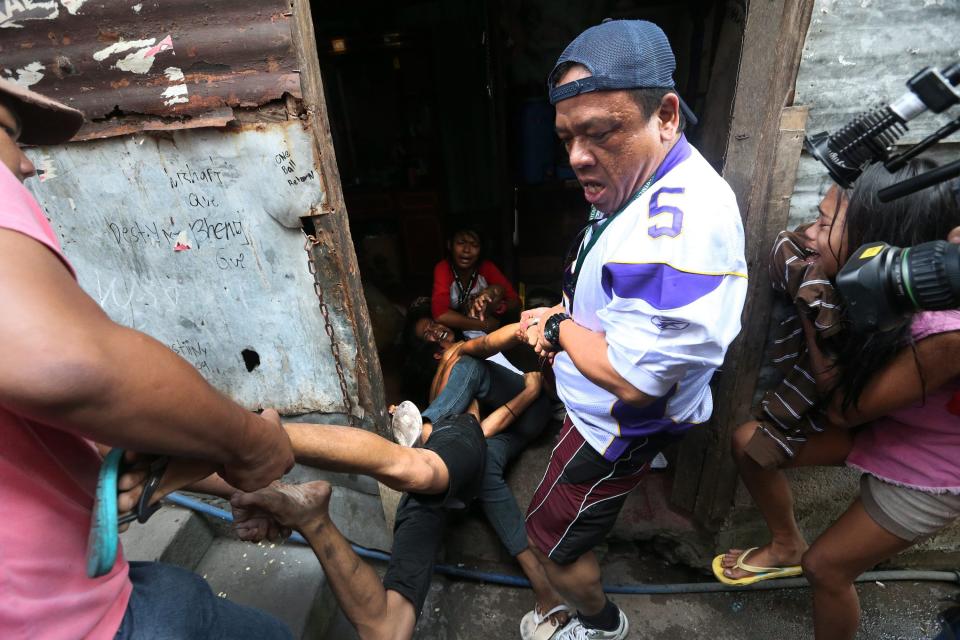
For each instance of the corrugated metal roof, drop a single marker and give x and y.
(176, 59)
(860, 53)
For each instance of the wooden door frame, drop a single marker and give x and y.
(774, 32)
(335, 256)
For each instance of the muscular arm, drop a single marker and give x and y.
(588, 350)
(66, 364)
(457, 320)
(500, 340)
(898, 385)
(504, 415)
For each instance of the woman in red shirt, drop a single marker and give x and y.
(469, 292)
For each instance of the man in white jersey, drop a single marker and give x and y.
(653, 292)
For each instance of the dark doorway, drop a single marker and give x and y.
(439, 117)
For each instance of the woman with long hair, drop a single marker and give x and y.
(469, 292)
(887, 404)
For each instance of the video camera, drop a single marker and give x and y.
(884, 285)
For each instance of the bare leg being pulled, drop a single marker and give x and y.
(330, 447)
(376, 613)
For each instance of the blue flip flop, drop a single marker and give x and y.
(105, 522)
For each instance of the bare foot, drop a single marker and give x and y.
(769, 555)
(304, 507)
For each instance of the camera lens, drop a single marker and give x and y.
(931, 275)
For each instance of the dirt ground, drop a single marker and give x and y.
(459, 610)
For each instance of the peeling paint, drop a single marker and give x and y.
(26, 10)
(182, 242)
(46, 169)
(137, 62)
(246, 49)
(120, 47)
(846, 63)
(29, 75)
(73, 5)
(176, 94)
(174, 74)
(164, 45)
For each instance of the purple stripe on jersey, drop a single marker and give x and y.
(680, 152)
(659, 285)
(637, 422)
(661, 426)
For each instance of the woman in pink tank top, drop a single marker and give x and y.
(893, 412)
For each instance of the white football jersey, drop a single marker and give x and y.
(665, 282)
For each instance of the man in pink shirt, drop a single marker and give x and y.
(69, 376)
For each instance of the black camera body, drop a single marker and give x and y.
(883, 285)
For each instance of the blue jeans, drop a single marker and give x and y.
(493, 386)
(170, 603)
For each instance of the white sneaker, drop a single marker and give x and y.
(574, 630)
(407, 423)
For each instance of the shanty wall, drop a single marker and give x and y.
(180, 201)
(858, 54)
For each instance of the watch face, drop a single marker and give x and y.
(551, 330)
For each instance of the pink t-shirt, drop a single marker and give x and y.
(47, 483)
(919, 446)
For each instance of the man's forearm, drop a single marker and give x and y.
(506, 414)
(133, 392)
(588, 350)
(500, 340)
(457, 320)
(67, 365)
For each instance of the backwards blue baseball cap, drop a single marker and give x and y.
(619, 54)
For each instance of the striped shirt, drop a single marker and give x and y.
(791, 411)
(665, 283)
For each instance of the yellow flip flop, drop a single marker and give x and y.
(759, 573)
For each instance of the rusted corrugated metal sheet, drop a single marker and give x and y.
(187, 62)
(860, 53)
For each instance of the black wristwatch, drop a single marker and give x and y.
(551, 328)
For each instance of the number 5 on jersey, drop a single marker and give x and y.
(659, 212)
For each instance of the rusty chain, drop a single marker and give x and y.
(313, 241)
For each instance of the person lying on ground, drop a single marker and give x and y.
(69, 377)
(466, 371)
(446, 473)
(902, 385)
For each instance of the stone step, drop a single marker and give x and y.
(340, 629)
(173, 535)
(284, 580)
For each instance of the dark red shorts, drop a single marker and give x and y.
(581, 494)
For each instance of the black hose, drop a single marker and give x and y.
(630, 589)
